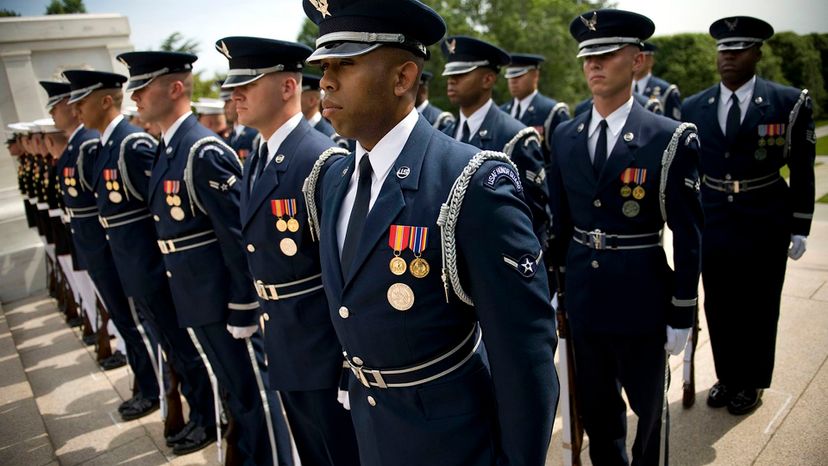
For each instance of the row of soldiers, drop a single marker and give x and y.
(407, 255)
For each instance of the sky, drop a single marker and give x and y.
(209, 20)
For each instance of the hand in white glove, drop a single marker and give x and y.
(798, 244)
(676, 340)
(242, 332)
(342, 398)
(555, 302)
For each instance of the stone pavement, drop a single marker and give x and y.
(58, 408)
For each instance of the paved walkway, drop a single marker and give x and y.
(58, 408)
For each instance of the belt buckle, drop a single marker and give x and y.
(357, 370)
(259, 285)
(736, 186)
(103, 222)
(598, 239)
(166, 246)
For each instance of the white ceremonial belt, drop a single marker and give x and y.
(196, 240)
(599, 240)
(277, 291)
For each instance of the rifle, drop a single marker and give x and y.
(174, 417)
(573, 430)
(688, 397)
(102, 346)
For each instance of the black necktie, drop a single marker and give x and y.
(261, 164)
(636, 89)
(161, 148)
(465, 137)
(358, 213)
(600, 150)
(734, 117)
(517, 111)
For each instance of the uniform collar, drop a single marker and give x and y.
(276, 139)
(422, 106)
(642, 83)
(75, 133)
(238, 128)
(110, 128)
(615, 120)
(174, 127)
(386, 151)
(475, 119)
(315, 119)
(742, 94)
(524, 102)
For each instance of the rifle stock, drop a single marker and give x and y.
(174, 421)
(102, 346)
(688, 397)
(574, 432)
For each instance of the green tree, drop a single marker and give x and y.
(65, 7)
(5, 13)
(308, 34)
(803, 65)
(686, 60)
(176, 42)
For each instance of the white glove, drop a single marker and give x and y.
(242, 332)
(676, 340)
(555, 302)
(798, 244)
(342, 398)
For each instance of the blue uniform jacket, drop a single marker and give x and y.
(433, 114)
(757, 153)
(496, 131)
(539, 116)
(302, 348)
(627, 291)
(132, 235)
(211, 282)
(669, 96)
(651, 105)
(454, 416)
(242, 142)
(88, 236)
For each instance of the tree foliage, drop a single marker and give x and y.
(65, 7)
(176, 42)
(6, 13)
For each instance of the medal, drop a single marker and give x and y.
(626, 191)
(288, 247)
(780, 141)
(169, 200)
(116, 186)
(638, 193)
(109, 186)
(290, 209)
(418, 241)
(176, 200)
(293, 225)
(630, 209)
(177, 213)
(760, 154)
(398, 236)
(72, 191)
(115, 197)
(400, 296)
(277, 206)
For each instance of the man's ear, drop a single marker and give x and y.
(408, 76)
(638, 62)
(489, 79)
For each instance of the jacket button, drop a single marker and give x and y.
(251, 248)
(727, 177)
(96, 195)
(372, 401)
(265, 316)
(169, 274)
(597, 202)
(156, 218)
(595, 264)
(729, 198)
(727, 155)
(344, 312)
(357, 360)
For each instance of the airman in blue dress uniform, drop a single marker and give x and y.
(436, 116)
(754, 220)
(194, 195)
(472, 67)
(304, 357)
(242, 139)
(423, 392)
(619, 173)
(120, 178)
(655, 88)
(76, 167)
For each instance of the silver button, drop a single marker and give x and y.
(727, 177)
(729, 198)
(727, 155)
(265, 316)
(96, 195)
(344, 312)
(169, 274)
(73, 230)
(169, 150)
(107, 237)
(372, 401)
(156, 218)
(595, 264)
(251, 248)
(357, 360)
(597, 202)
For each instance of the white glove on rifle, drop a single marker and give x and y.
(342, 398)
(798, 244)
(676, 340)
(242, 332)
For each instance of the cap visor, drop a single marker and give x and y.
(239, 80)
(341, 50)
(735, 46)
(600, 50)
(516, 72)
(75, 98)
(138, 84)
(450, 70)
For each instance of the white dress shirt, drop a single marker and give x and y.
(110, 128)
(475, 121)
(314, 119)
(642, 83)
(615, 123)
(173, 128)
(422, 106)
(74, 133)
(382, 158)
(275, 141)
(525, 103)
(743, 94)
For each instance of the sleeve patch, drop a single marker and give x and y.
(499, 172)
(209, 147)
(810, 136)
(223, 186)
(526, 266)
(142, 142)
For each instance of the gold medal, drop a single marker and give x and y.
(169, 200)
(73, 182)
(638, 193)
(115, 196)
(780, 141)
(400, 296)
(109, 186)
(72, 191)
(626, 191)
(116, 186)
(177, 213)
(293, 225)
(288, 247)
(419, 267)
(397, 265)
(281, 225)
(630, 209)
(176, 199)
(66, 181)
